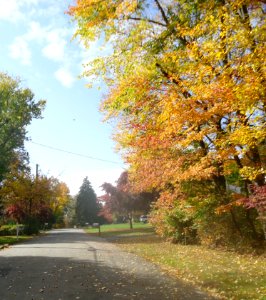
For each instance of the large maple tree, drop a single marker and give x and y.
(186, 87)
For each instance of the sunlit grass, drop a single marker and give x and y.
(115, 230)
(228, 274)
(13, 239)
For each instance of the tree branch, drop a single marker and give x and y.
(210, 140)
(162, 12)
(148, 20)
(186, 94)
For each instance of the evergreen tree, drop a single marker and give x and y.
(87, 207)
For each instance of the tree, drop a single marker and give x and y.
(187, 89)
(18, 108)
(121, 200)
(34, 201)
(87, 206)
(59, 201)
(70, 212)
(26, 201)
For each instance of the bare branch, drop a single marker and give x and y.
(162, 12)
(148, 20)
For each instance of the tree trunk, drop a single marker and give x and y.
(130, 220)
(235, 222)
(255, 235)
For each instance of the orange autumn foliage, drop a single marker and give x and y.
(186, 86)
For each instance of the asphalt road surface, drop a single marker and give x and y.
(68, 264)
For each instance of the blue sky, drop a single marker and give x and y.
(36, 46)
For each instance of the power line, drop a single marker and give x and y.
(74, 153)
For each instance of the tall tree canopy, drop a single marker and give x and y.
(87, 206)
(187, 89)
(17, 109)
(120, 200)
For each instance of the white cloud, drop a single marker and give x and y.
(56, 44)
(52, 41)
(51, 9)
(36, 32)
(64, 76)
(11, 10)
(19, 49)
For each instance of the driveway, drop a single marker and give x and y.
(68, 264)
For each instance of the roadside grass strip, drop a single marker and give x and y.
(122, 230)
(10, 240)
(223, 273)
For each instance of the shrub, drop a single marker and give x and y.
(32, 226)
(8, 230)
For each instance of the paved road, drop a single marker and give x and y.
(69, 265)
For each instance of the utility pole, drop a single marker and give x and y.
(37, 171)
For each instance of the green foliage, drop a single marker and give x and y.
(32, 226)
(18, 108)
(182, 226)
(195, 216)
(8, 230)
(70, 212)
(87, 206)
(9, 240)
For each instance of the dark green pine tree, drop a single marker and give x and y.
(87, 207)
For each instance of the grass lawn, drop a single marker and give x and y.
(227, 274)
(12, 239)
(122, 230)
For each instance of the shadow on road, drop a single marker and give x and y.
(70, 265)
(50, 278)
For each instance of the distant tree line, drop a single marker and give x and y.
(24, 198)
